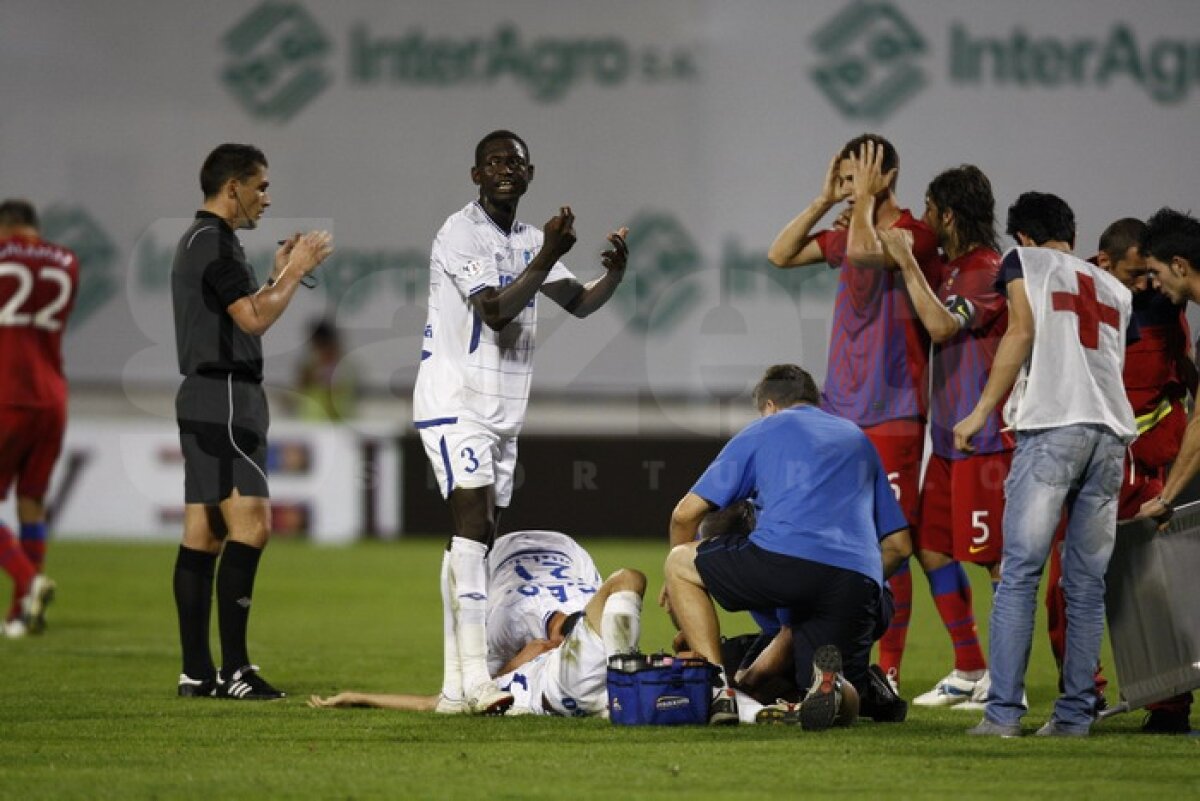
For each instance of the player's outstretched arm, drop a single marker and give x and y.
(297, 257)
(795, 246)
(499, 307)
(402, 703)
(580, 299)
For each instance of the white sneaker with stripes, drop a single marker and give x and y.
(953, 690)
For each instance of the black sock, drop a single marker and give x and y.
(193, 601)
(235, 589)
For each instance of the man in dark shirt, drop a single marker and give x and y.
(221, 314)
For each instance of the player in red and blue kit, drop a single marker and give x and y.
(878, 351)
(962, 497)
(38, 281)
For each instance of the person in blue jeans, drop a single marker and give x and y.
(1062, 357)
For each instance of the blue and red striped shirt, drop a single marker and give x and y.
(878, 351)
(961, 364)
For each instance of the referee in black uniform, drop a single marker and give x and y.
(221, 313)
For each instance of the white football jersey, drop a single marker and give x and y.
(468, 371)
(532, 575)
(569, 681)
(1073, 375)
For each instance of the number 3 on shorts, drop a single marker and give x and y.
(472, 461)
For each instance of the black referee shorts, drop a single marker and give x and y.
(828, 605)
(223, 422)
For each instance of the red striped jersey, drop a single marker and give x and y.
(878, 350)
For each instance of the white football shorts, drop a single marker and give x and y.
(469, 455)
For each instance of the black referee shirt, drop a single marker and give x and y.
(210, 272)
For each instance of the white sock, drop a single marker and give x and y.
(621, 622)
(747, 707)
(452, 688)
(468, 577)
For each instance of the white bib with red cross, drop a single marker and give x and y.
(1081, 314)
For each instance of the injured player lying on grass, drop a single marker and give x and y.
(552, 624)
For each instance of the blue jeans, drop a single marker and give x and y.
(1079, 466)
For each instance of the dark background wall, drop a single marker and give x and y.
(584, 486)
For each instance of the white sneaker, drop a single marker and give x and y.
(515, 711)
(450, 706)
(488, 699)
(33, 605)
(15, 629)
(953, 690)
(724, 709)
(978, 698)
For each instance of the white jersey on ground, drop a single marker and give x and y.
(468, 371)
(532, 575)
(569, 681)
(1073, 375)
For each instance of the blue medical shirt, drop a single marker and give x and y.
(818, 486)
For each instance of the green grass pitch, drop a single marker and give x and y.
(89, 709)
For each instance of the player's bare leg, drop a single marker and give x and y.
(691, 605)
(694, 611)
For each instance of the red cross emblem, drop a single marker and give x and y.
(1092, 312)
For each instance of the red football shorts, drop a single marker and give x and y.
(1139, 485)
(30, 441)
(901, 445)
(962, 507)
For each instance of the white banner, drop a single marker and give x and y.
(704, 126)
(124, 480)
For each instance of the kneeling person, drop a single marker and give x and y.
(827, 532)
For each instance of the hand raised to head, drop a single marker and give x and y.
(867, 169)
(833, 191)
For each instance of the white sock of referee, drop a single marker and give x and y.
(452, 688)
(468, 578)
(621, 622)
